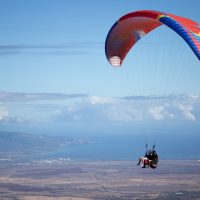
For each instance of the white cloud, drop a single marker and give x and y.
(5, 117)
(125, 111)
(97, 108)
(3, 113)
(187, 112)
(161, 112)
(157, 112)
(101, 100)
(92, 109)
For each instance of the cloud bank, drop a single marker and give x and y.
(82, 108)
(105, 109)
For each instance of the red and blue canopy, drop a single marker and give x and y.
(131, 27)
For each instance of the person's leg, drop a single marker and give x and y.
(139, 161)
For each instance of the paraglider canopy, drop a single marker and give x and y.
(133, 26)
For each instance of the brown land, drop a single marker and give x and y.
(108, 180)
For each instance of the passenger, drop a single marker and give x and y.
(149, 160)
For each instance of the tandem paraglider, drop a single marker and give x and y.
(130, 28)
(150, 159)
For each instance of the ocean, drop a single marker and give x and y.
(123, 142)
(132, 146)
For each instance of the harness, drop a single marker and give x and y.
(146, 161)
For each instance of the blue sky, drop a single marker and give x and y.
(53, 66)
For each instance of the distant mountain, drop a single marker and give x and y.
(17, 141)
(21, 147)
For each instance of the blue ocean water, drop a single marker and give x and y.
(132, 146)
(124, 142)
